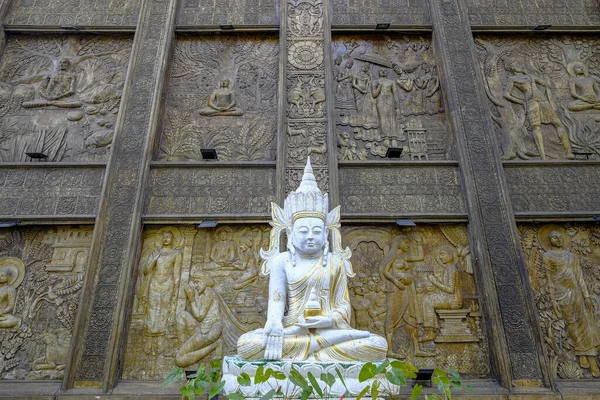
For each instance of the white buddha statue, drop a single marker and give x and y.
(309, 306)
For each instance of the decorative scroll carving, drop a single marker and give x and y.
(431, 190)
(50, 191)
(306, 94)
(370, 13)
(212, 191)
(77, 13)
(220, 296)
(388, 95)
(257, 12)
(214, 295)
(238, 118)
(564, 270)
(544, 94)
(41, 276)
(553, 188)
(61, 96)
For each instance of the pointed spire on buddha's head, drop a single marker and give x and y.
(307, 200)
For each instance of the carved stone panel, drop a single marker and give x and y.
(235, 12)
(41, 276)
(210, 191)
(45, 191)
(222, 95)
(197, 291)
(533, 13)
(74, 13)
(61, 95)
(564, 269)
(372, 12)
(388, 94)
(544, 94)
(398, 190)
(554, 188)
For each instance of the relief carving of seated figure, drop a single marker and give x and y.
(585, 88)
(57, 88)
(309, 310)
(12, 271)
(222, 102)
(448, 295)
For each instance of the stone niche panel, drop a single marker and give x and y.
(41, 276)
(563, 262)
(551, 189)
(388, 94)
(210, 191)
(215, 293)
(235, 12)
(48, 191)
(372, 12)
(61, 95)
(397, 189)
(222, 95)
(544, 94)
(531, 13)
(74, 12)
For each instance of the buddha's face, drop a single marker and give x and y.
(365, 68)
(308, 235)
(383, 73)
(404, 245)
(445, 256)
(349, 64)
(556, 239)
(167, 239)
(223, 236)
(579, 70)
(64, 64)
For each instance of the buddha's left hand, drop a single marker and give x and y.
(315, 322)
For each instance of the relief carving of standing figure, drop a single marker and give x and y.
(344, 97)
(161, 280)
(384, 90)
(401, 295)
(570, 294)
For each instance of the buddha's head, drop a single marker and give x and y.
(515, 66)
(5, 275)
(383, 73)
(309, 236)
(349, 64)
(225, 83)
(446, 255)
(64, 64)
(555, 239)
(403, 244)
(167, 238)
(577, 68)
(365, 68)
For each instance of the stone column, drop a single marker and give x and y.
(512, 328)
(102, 314)
(306, 51)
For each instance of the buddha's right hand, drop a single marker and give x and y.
(273, 340)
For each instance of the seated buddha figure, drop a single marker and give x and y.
(309, 308)
(222, 102)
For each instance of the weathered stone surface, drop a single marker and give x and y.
(372, 12)
(235, 12)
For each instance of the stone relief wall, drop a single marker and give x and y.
(74, 12)
(60, 95)
(48, 191)
(544, 94)
(552, 189)
(388, 94)
(372, 12)
(564, 270)
(197, 291)
(398, 190)
(222, 95)
(211, 191)
(531, 13)
(235, 12)
(41, 276)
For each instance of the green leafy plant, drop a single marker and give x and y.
(386, 379)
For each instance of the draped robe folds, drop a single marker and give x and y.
(338, 343)
(570, 291)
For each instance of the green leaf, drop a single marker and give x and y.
(175, 375)
(201, 384)
(215, 364)
(440, 376)
(363, 392)
(297, 379)
(315, 384)
(396, 377)
(381, 367)
(409, 370)
(188, 392)
(244, 379)
(259, 375)
(366, 372)
(306, 393)
(216, 389)
(339, 374)
(236, 396)
(375, 389)
(328, 378)
(417, 389)
(278, 375)
(268, 395)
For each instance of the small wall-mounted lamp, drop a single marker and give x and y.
(424, 377)
(9, 224)
(36, 156)
(209, 154)
(209, 223)
(541, 27)
(405, 222)
(382, 25)
(597, 219)
(226, 27)
(69, 27)
(393, 152)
